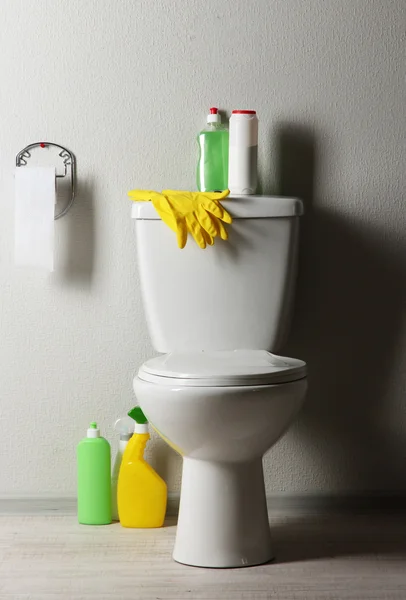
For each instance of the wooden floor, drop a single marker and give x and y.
(340, 557)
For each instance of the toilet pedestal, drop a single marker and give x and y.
(223, 517)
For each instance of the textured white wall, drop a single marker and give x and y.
(126, 86)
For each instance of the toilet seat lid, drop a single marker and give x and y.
(222, 368)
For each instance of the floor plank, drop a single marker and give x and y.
(318, 558)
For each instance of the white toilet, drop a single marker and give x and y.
(216, 394)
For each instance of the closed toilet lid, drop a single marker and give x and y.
(222, 368)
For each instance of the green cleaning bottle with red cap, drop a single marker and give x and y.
(212, 167)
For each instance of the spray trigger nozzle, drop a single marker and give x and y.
(141, 421)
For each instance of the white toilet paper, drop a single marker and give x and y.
(35, 195)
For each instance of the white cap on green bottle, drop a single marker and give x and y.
(214, 116)
(93, 431)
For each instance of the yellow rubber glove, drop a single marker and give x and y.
(198, 213)
(160, 203)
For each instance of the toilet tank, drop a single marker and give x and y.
(235, 294)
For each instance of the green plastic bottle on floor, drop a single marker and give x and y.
(94, 478)
(212, 168)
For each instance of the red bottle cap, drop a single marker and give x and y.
(244, 112)
(214, 111)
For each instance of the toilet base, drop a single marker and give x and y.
(223, 517)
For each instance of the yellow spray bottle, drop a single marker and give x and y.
(141, 492)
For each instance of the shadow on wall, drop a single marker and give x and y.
(347, 323)
(78, 239)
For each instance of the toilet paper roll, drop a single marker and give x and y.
(35, 196)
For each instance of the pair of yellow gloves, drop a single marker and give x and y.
(197, 213)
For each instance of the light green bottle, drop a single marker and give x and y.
(212, 168)
(94, 479)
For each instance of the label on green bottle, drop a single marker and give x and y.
(212, 169)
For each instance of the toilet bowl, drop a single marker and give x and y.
(216, 394)
(222, 411)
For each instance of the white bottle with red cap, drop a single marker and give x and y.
(243, 152)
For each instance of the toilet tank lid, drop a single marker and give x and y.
(240, 207)
(220, 368)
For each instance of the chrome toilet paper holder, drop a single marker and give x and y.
(69, 164)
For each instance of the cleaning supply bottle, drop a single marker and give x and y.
(94, 479)
(212, 167)
(142, 494)
(125, 427)
(243, 152)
